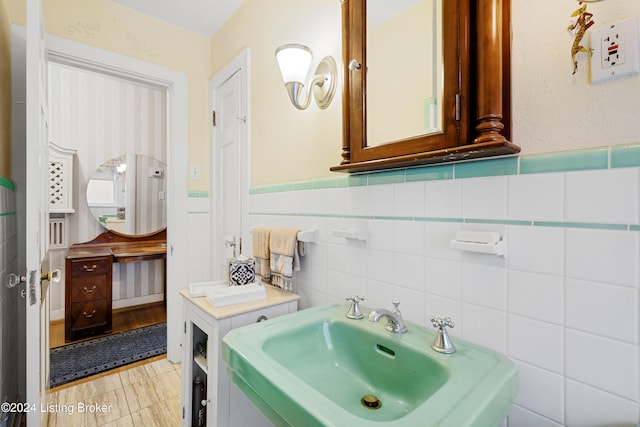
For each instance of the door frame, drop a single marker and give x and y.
(68, 52)
(240, 64)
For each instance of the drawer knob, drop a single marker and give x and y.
(88, 316)
(89, 268)
(88, 291)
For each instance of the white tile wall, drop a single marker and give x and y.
(563, 305)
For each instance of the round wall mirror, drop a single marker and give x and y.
(127, 194)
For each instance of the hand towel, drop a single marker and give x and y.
(261, 252)
(283, 244)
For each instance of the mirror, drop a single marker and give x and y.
(127, 194)
(462, 112)
(404, 78)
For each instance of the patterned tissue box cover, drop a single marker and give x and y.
(242, 272)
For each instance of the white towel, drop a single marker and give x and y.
(261, 252)
(285, 259)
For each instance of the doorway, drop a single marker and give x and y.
(112, 125)
(175, 86)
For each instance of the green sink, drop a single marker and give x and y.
(318, 368)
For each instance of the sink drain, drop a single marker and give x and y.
(371, 402)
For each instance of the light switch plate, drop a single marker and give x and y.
(615, 50)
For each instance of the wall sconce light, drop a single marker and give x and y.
(294, 61)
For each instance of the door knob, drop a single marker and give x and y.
(52, 276)
(13, 280)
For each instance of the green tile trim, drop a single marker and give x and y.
(565, 161)
(262, 189)
(354, 181)
(583, 225)
(7, 183)
(302, 185)
(524, 223)
(435, 219)
(326, 183)
(625, 156)
(392, 218)
(430, 173)
(387, 177)
(496, 221)
(198, 194)
(490, 167)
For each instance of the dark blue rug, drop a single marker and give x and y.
(79, 360)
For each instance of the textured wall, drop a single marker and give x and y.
(554, 110)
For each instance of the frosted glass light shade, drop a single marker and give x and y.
(294, 61)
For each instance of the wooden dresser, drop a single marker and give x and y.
(88, 277)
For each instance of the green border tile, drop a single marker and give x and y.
(624, 157)
(496, 221)
(198, 194)
(302, 185)
(7, 183)
(354, 181)
(325, 183)
(436, 219)
(483, 168)
(387, 177)
(565, 161)
(585, 225)
(430, 173)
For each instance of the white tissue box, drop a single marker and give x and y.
(198, 289)
(236, 294)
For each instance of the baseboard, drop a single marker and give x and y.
(129, 302)
(137, 307)
(56, 315)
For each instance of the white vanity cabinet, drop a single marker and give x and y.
(204, 327)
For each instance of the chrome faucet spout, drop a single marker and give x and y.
(395, 323)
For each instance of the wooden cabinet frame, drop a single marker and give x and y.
(477, 96)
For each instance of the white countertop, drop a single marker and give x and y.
(275, 296)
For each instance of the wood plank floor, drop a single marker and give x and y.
(123, 320)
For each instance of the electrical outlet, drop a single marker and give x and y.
(615, 50)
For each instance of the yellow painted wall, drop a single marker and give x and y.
(287, 144)
(110, 26)
(553, 110)
(5, 91)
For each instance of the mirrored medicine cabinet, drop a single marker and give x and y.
(425, 81)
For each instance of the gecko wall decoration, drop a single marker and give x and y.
(582, 24)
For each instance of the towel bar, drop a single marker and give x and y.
(305, 236)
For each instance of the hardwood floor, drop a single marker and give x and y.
(123, 320)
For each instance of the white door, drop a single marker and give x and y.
(36, 167)
(229, 166)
